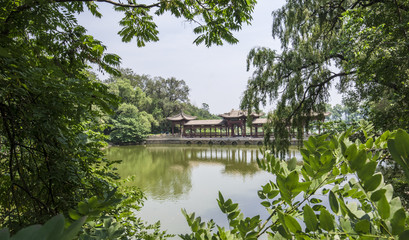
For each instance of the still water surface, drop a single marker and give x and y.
(179, 176)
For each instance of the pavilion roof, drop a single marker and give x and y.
(316, 114)
(181, 116)
(239, 113)
(259, 121)
(217, 122)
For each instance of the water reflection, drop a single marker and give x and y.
(157, 172)
(190, 177)
(165, 171)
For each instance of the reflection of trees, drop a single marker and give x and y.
(163, 171)
(160, 172)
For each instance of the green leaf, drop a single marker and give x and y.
(83, 208)
(232, 207)
(310, 218)
(292, 224)
(326, 220)
(363, 226)
(367, 171)
(346, 225)
(301, 187)
(384, 208)
(282, 228)
(52, 229)
(292, 164)
(292, 180)
(343, 146)
(335, 171)
(233, 215)
(373, 182)
(4, 234)
(284, 191)
(398, 222)
(273, 194)
(283, 232)
(72, 231)
(369, 143)
(399, 149)
(315, 200)
(350, 152)
(404, 235)
(378, 194)
(344, 168)
(27, 233)
(358, 160)
(333, 202)
(266, 203)
(74, 215)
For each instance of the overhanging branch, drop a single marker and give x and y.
(320, 85)
(119, 4)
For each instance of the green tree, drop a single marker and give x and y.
(129, 125)
(168, 98)
(200, 113)
(361, 44)
(50, 108)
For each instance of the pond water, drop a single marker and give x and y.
(179, 176)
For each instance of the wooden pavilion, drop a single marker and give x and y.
(181, 119)
(232, 124)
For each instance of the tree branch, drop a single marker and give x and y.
(117, 3)
(320, 85)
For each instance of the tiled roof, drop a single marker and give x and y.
(259, 121)
(181, 116)
(204, 122)
(238, 113)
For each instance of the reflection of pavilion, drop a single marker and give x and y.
(233, 124)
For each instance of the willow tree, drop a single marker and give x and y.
(360, 46)
(50, 156)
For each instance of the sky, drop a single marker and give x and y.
(216, 75)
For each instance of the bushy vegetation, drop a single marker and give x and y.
(146, 102)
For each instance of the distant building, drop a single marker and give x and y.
(233, 124)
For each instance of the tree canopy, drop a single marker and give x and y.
(361, 46)
(51, 109)
(153, 100)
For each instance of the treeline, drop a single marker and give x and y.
(145, 103)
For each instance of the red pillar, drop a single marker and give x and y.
(245, 129)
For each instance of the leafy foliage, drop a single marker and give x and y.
(52, 229)
(155, 98)
(361, 46)
(335, 194)
(51, 109)
(129, 124)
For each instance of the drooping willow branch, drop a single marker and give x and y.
(319, 85)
